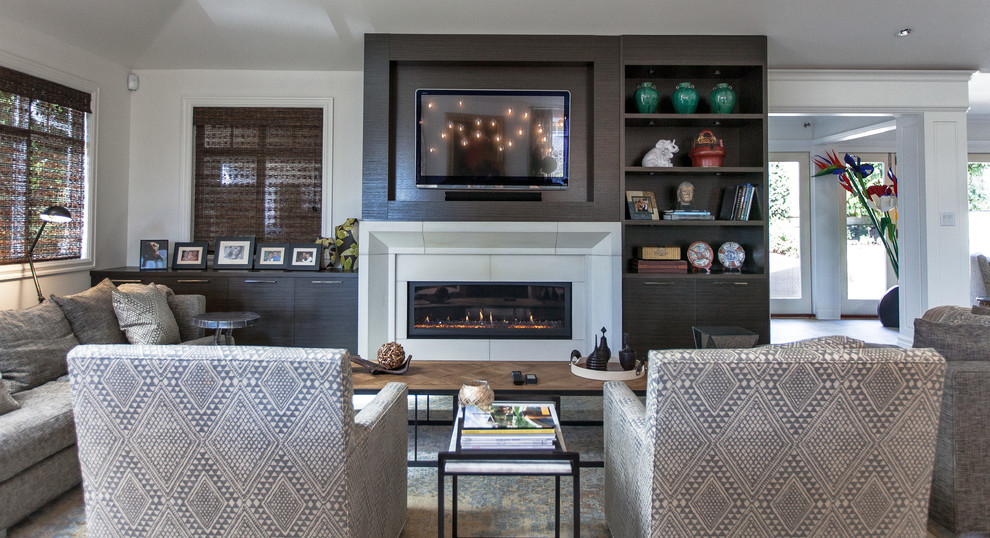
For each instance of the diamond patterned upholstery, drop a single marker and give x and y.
(234, 441)
(774, 441)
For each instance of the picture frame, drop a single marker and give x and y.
(305, 257)
(642, 205)
(271, 256)
(233, 253)
(153, 255)
(190, 255)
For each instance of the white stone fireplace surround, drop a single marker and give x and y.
(393, 253)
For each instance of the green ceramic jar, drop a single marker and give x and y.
(685, 98)
(647, 97)
(722, 99)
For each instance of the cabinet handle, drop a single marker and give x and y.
(193, 281)
(261, 281)
(657, 283)
(126, 280)
(731, 283)
(326, 281)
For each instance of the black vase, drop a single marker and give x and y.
(889, 309)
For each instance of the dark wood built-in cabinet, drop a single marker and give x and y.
(309, 309)
(659, 309)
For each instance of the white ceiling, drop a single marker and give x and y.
(328, 34)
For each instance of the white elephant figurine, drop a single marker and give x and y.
(661, 155)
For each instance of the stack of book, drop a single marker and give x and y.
(688, 214)
(658, 266)
(737, 202)
(508, 426)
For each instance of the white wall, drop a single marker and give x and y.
(155, 206)
(34, 49)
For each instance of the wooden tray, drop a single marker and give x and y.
(614, 372)
(374, 368)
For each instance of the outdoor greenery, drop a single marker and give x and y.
(979, 186)
(782, 240)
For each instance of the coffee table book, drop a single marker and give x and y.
(509, 425)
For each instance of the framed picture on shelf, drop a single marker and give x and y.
(190, 255)
(305, 257)
(154, 254)
(271, 256)
(233, 253)
(642, 205)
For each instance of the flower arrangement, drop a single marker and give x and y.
(878, 201)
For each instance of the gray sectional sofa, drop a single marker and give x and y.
(38, 458)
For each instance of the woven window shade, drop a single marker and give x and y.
(258, 172)
(42, 163)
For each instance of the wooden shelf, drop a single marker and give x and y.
(694, 276)
(691, 120)
(700, 170)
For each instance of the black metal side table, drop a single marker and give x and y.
(983, 301)
(224, 321)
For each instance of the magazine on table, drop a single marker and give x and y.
(510, 416)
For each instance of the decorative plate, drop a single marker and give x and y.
(731, 255)
(700, 255)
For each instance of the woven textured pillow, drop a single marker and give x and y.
(91, 315)
(7, 403)
(145, 317)
(827, 341)
(980, 311)
(954, 341)
(33, 345)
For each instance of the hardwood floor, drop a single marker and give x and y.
(785, 330)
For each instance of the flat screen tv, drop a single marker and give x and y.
(492, 139)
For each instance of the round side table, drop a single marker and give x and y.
(224, 321)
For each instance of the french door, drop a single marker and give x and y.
(790, 233)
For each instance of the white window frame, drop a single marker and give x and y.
(20, 271)
(188, 148)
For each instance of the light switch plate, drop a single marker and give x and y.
(947, 218)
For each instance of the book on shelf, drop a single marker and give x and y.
(658, 266)
(738, 202)
(688, 214)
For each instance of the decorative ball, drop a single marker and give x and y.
(391, 355)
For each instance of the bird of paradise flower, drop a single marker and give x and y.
(879, 201)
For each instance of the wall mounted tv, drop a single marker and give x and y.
(492, 139)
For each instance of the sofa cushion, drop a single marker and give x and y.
(91, 315)
(950, 314)
(980, 311)
(144, 315)
(984, 265)
(7, 403)
(41, 427)
(954, 341)
(33, 344)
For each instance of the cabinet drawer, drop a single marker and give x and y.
(658, 314)
(326, 312)
(271, 298)
(740, 302)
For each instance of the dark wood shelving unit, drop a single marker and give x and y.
(660, 308)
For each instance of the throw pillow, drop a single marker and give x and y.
(145, 317)
(33, 345)
(955, 342)
(7, 403)
(91, 315)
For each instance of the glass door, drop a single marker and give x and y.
(790, 234)
(865, 272)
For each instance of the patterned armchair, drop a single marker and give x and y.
(235, 441)
(774, 441)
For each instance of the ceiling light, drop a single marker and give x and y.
(904, 33)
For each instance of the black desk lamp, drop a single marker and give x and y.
(55, 213)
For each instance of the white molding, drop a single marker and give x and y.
(187, 146)
(869, 75)
(86, 261)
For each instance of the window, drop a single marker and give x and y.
(979, 202)
(43, 162)
(258, 172)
